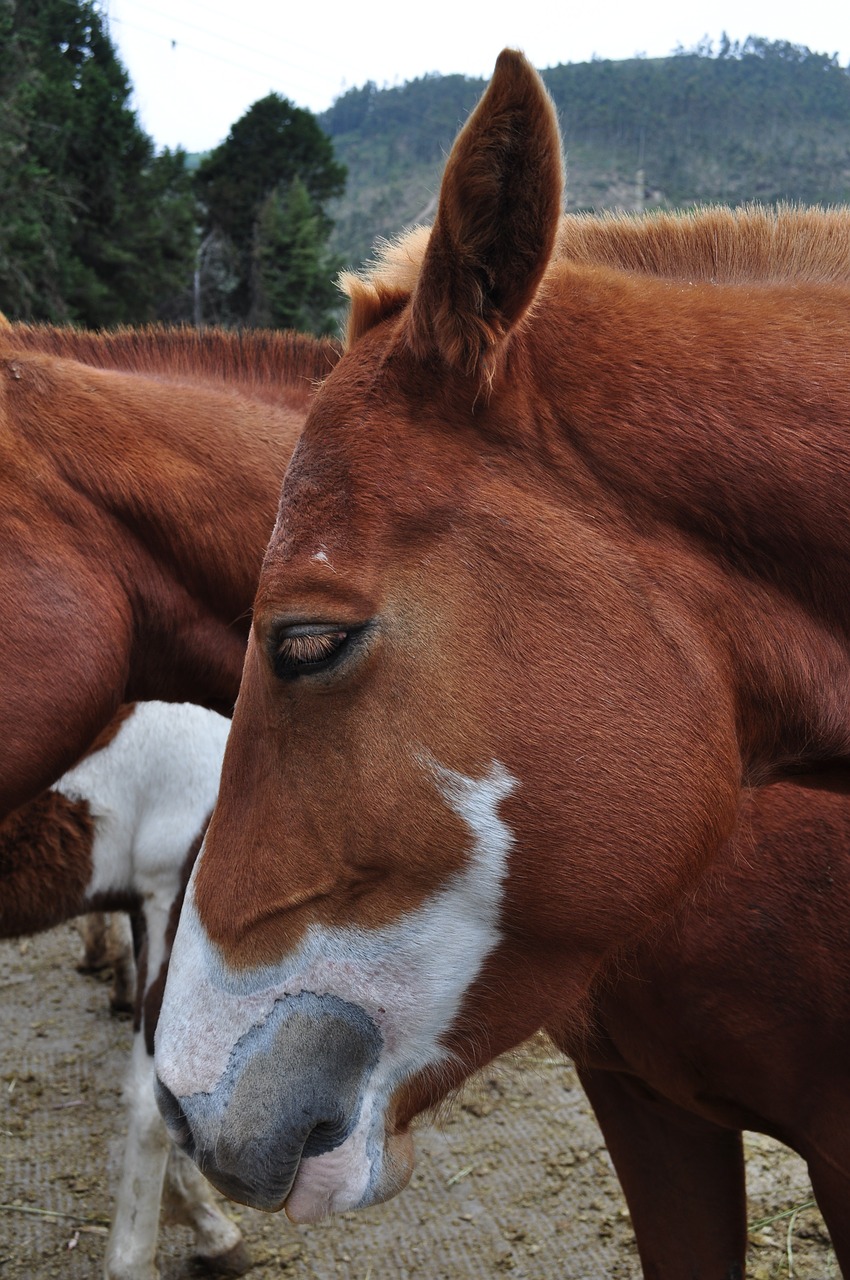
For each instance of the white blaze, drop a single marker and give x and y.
(409, 977)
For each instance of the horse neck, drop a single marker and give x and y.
(711, 426)
(208, 517)
(185, 479)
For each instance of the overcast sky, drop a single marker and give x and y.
(197, 65)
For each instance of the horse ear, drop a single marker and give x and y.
(496, 223)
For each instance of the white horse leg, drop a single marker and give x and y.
(188, 1200)
(185, 1195)
(131, 1250)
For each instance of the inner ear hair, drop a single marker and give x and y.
(496, 225)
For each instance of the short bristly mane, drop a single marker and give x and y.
(255, 359)
(716, 245)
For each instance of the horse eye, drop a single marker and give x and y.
(306, 651)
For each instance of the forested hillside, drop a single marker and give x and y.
(731, 123)
(97, 228)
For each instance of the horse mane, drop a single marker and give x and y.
(253, 359)
(716, 245)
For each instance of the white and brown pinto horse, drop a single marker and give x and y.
(120, 831)
(562, 564)
(139, 476)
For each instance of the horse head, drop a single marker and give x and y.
(485, 734)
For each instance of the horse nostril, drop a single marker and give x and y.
(174, 1116)
(325, 1136)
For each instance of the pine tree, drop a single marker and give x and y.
(270, 146)
(35, 205)
(293, 274)
(110, 234)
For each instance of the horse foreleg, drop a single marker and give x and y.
(188, 1200)
(187, 1197)
(131, 1251)
(682, 1176)
(108, 944)
(93, 930)
(184, 1196)
(122, 997)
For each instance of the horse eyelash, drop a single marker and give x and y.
(306, 650)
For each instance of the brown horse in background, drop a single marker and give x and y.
(139, 474)
(562, 565)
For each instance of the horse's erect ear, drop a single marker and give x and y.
(497, 219)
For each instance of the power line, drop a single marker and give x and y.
(207, 53)
(319, 54)
(228, 39)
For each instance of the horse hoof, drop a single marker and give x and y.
(233, 1263)
(121, 1008)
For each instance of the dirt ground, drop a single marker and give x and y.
(516, 1181)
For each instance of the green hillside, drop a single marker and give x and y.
(733, 123)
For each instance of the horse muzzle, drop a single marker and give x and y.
(293, 1119)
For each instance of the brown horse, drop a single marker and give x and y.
(139, 474)
(561, 566)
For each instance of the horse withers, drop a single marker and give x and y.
(561, 564)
